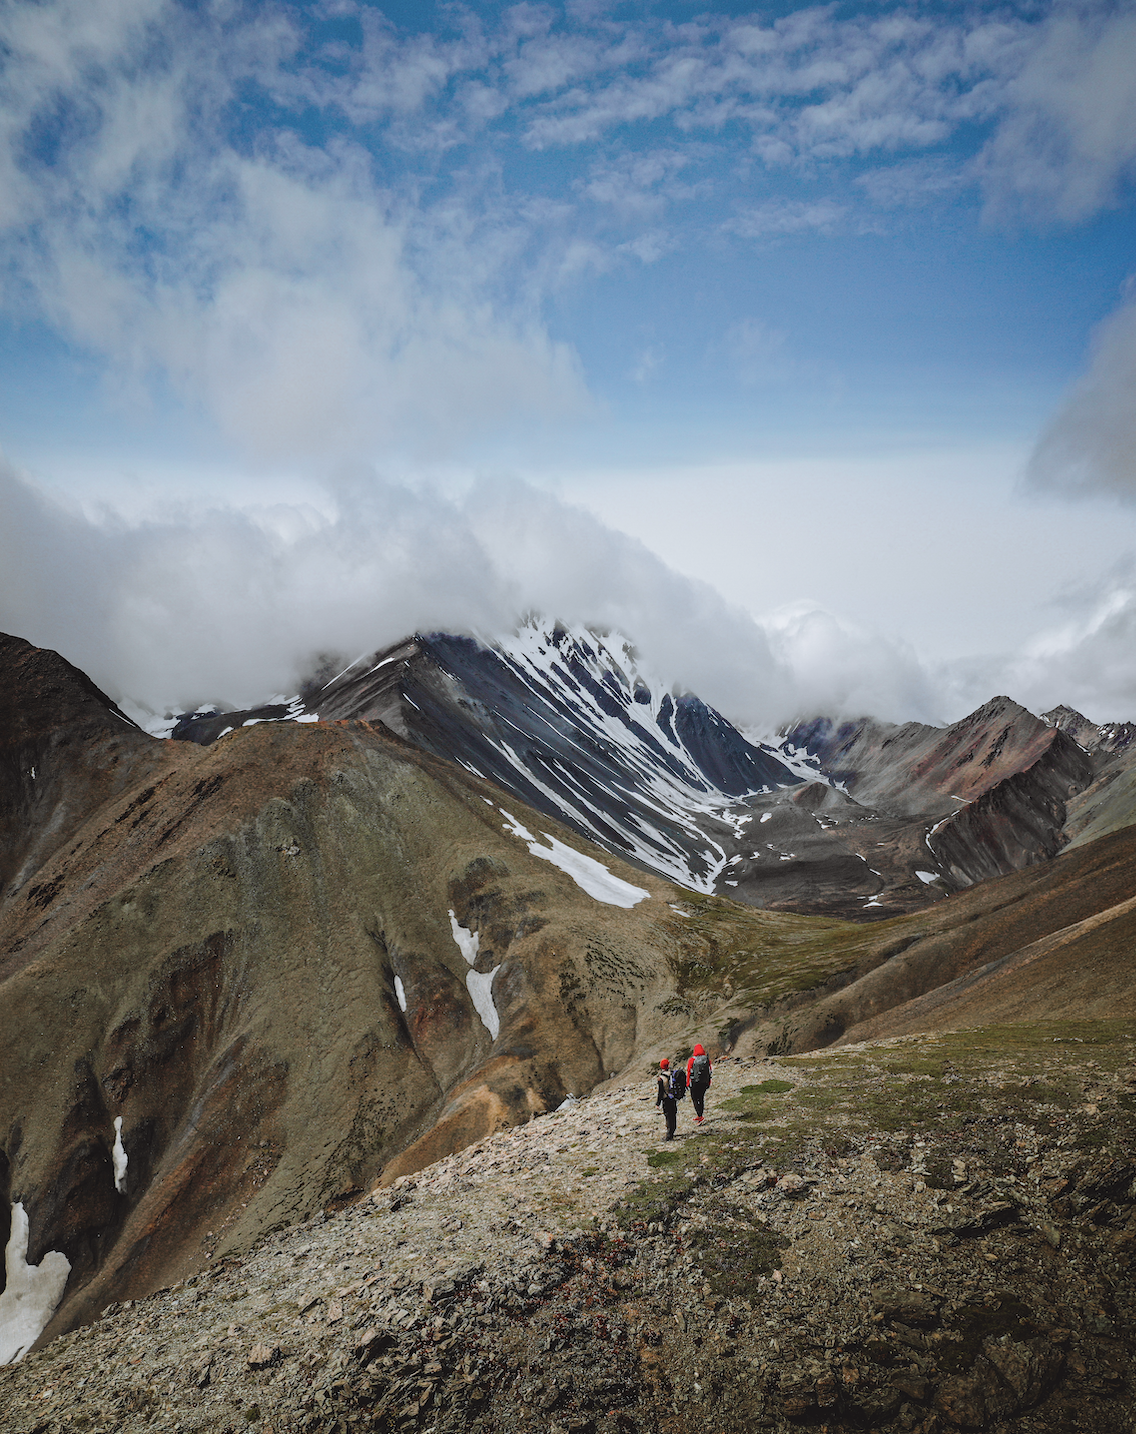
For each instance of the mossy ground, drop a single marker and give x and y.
(922, 1102)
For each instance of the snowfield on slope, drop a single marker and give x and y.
(588, 874)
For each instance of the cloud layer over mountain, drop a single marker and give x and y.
(344, 244)
(233, 605)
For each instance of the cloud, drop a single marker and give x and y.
(786, 216)
(914, 184)
(1086, 658)
(1090, 444)
(329, 247)
(276, 284)
(838, 667)
(230, 605)
(233, 605)
(1067, 136)
(201, 603)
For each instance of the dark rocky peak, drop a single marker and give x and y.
(820, 797)
(65, 747)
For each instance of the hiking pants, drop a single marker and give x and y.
(698, 1097)
(670, 1111)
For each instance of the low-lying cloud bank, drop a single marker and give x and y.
(233, 605)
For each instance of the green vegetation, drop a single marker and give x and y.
(732, 1250)
(765, 956)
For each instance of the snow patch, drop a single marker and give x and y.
(119, 1157)
(468, 941)
(766, 816)
(679, 909)
(478, 984)
(400, 993)
(927, 876)
(588, 874)
(32, 1292)
(481, 994)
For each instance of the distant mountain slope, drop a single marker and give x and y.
(862, 819)
(49, 713)
(569, 725)
(997, 782)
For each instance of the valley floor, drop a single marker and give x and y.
(930, 1233)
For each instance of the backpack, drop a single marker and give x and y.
(678, 1083)
(700, 1070)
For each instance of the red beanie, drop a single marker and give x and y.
(698, 1051)
(664, 1063)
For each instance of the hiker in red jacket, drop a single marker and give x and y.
(698, 1080)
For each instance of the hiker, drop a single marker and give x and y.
(667, 1097)
(698, 1080)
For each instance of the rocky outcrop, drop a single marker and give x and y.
(1104, 738)
(918, 771)
(1017, 822)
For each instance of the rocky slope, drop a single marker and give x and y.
(929, 1234)
(270, 968)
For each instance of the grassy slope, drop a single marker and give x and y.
(776, 982)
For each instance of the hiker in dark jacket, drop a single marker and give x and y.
(698, 1080)
(666, 1098)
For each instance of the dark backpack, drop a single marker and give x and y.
(678, 1082)
(700, 1071)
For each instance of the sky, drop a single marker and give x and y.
(796, 343)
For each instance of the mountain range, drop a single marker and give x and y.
(271, 958)
(845, 818)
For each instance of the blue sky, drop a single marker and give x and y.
(821, 315)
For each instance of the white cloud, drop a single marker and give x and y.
(838, 667)
(786, 216)
(1067, 138)
(1090, 444)
(1086, 658)
(230, 605)
(213, 603)
(365, 292)
(911, 184)
(304, 306)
